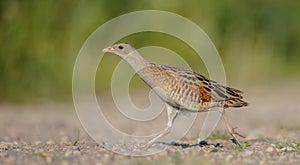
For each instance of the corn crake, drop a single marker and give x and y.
(181, 89)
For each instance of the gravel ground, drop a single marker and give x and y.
(52, 134)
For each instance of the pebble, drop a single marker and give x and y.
(40, 151)
(77, 152)
(51, 150)
(68, 153)
(248, 152)
(37, 142)
(4, 147)
(162, 154)
(64, 141)
(49, 142)
(214, 150)
(269, 149)
(288, 149)
(106, 156)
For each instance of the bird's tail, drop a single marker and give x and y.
(235, 103)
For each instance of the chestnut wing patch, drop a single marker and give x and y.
(204, 94)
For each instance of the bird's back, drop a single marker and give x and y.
(188, 90)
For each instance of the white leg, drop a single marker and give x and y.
(172, 114)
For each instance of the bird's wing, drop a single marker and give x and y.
(203, 89)
(216, 91)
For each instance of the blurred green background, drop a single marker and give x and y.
(258, 40)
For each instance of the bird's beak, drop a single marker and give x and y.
(108, 49)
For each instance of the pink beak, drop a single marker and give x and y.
(108, 49)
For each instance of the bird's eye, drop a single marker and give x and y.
(120, 47)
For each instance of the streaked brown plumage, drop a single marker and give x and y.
(189, 90)
(181, 89)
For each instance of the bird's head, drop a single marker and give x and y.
(121, 50)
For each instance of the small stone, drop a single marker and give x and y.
(64, 141)
(49, 142)
(288, 149)
(162, 154)
(75, 148)
(40, 151)
(77, 152)
(248, 152)
(198, 148)
(269, 149)
(106, 156)
(214, 150)
(68, 153)
(51, 150)
(37, 142)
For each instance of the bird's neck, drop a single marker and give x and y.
(142, 67)
(136, 61)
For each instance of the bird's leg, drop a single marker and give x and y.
(172, 114)
(231, 130)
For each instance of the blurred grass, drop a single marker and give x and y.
(259, 41)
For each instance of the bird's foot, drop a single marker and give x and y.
(235, 140)
(236, 133)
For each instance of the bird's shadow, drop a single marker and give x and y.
(204, 143)
(187, 145)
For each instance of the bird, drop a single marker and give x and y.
(181, 89)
